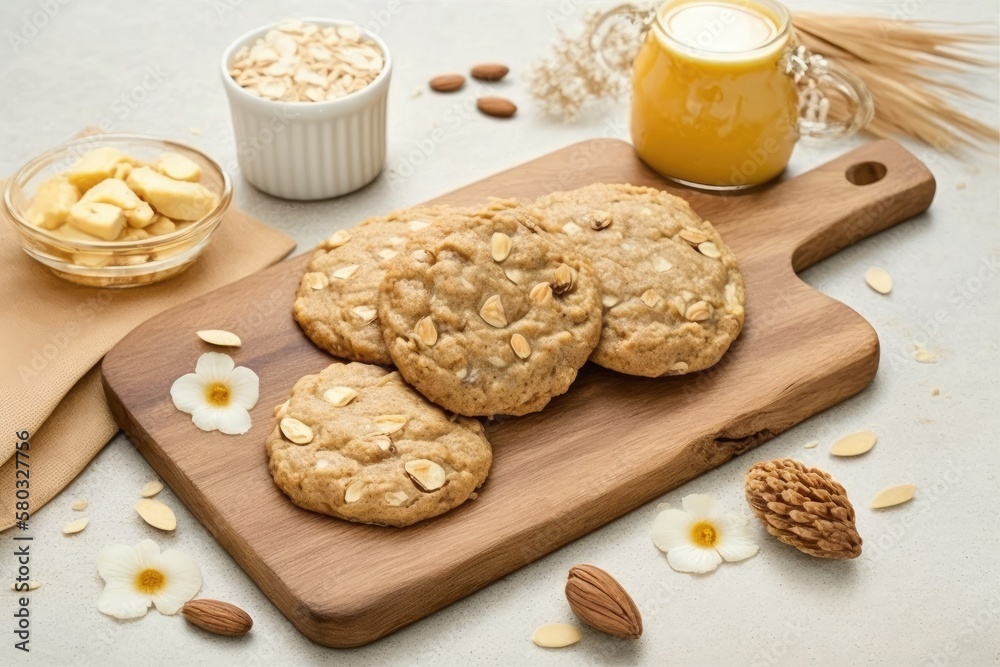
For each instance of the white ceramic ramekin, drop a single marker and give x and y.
(309, 150)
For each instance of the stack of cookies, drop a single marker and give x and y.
(486, 311)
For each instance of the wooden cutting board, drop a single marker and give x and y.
(609, 445)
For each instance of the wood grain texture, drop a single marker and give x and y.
(610, 444)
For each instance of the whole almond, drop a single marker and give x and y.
(489, 71)
(217, 617)
(447, 83)
(498, 107)
(601, 602)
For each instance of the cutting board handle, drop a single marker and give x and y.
(851, 198)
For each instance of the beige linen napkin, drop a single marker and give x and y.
(54, 333)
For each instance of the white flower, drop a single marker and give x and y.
(136, 577)
(699, 537)
(216, 395)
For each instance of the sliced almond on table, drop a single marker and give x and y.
(79, 505)
(854, 444)
(220, 337)
(150, 489)
(75, 526)
(296, 431)
(893, 495)
(812, 444)
(879, 280)
(428, 475)
(32, 585)
(338, 397)
(556, 635)
(156, 514)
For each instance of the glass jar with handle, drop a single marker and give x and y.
(721, 91)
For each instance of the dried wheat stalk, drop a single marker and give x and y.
(898, 60)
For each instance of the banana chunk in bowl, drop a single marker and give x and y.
(127, 210)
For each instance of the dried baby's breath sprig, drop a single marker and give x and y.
(571, 75)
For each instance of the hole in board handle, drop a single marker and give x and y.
(866, 173)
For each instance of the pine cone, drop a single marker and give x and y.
(803, 507)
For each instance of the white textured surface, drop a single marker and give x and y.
(926, 590)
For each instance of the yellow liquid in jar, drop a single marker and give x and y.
(711, 105)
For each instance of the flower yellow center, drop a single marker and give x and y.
(703, 534)
(217, 394)
(150, 581)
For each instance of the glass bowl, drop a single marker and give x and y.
(114, 263)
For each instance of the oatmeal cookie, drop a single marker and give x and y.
(335, 302)
(673, 294)
(484, 316)
(358, 443)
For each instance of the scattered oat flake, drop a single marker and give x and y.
(923, 355)
(32, 585)
(854, 444)
(75, 526)
(196, 131)
(812, 444)
(150, 489)
(156, 514)
(879, 280)
(662, 506)
(556, 635)
(893, 495)
(79, 505)
(960, 186)
(220, 337)
(935, 392)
